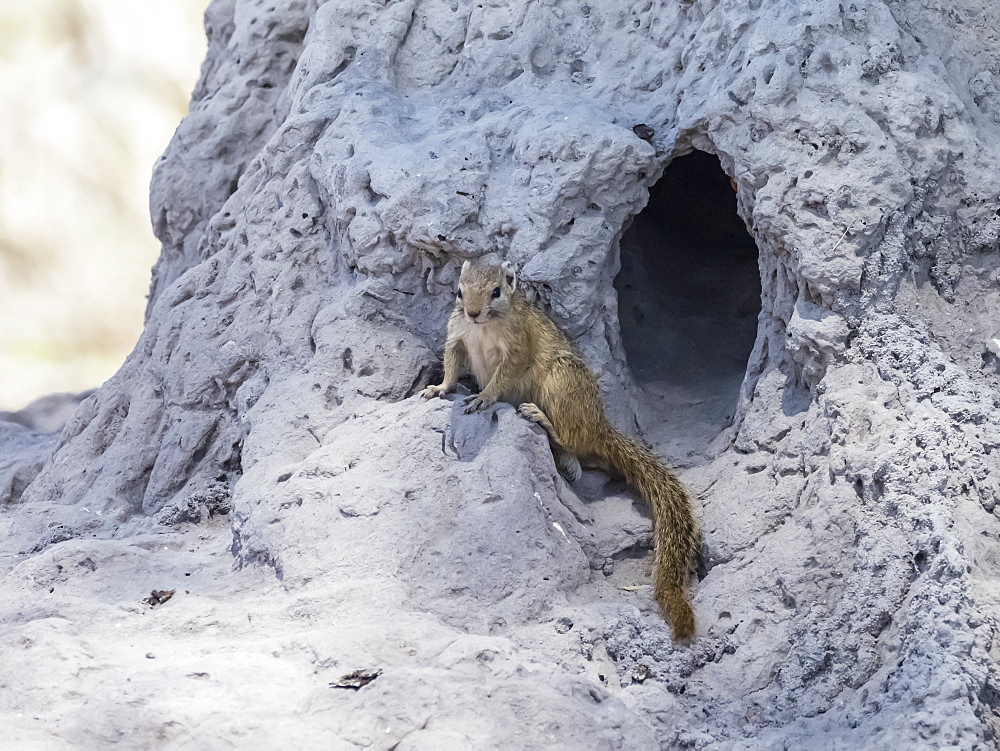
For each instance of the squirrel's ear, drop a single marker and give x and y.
(466, 266)
(511, 275)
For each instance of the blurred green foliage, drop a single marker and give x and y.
(90, 93)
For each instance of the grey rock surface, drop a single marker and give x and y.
(262, 452)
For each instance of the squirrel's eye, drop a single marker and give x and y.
(460, 294)
(496, 292)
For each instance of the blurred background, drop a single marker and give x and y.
(90, 94)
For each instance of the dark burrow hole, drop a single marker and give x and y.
(688, 301)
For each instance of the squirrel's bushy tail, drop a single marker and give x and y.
(675, 536)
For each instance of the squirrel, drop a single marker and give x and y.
(517, 355)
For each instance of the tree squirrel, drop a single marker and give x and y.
(517, 355)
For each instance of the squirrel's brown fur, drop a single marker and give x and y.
(517, 355)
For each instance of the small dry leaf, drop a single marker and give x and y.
(158, 597)
(357, 679)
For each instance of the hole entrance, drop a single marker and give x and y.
(688, 301)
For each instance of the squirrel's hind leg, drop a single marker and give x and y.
(567, 464)
(566, 461)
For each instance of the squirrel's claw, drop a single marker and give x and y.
(432, 391)
(478, 403)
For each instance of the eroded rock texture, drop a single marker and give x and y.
(339, 162)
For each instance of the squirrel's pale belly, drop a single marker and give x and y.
(486, 351)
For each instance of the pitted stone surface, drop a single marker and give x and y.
(341, 160)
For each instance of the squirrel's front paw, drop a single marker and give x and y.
(432, 391)
(478, 403)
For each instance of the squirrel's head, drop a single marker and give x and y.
(485, 290)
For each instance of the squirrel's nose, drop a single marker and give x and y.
(474, 313)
